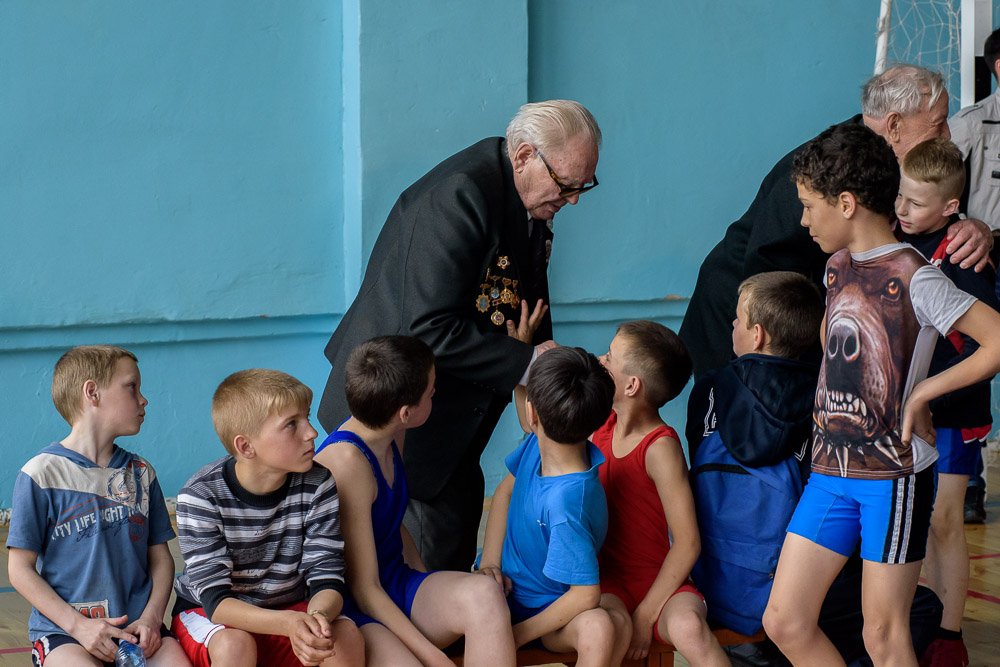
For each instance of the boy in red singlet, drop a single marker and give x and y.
(644, 568)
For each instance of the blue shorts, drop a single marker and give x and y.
(41, 647)
(891, 517)
(958, 449)
(401, 589)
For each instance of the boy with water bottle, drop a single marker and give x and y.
(89, 528)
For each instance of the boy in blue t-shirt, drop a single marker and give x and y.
(548, 517)
(89, 528)
(932, 178)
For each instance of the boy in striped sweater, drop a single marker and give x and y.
(259, 529)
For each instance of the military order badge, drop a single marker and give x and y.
(499, 292)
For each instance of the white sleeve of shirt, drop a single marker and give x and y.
(936, 301)
(524, 378)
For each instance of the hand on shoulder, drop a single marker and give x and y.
(970, 243)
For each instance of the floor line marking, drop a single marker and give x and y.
(984, 556)
(15, 650)
(984, 596)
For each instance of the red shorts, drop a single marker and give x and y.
(193, 630)
(629, 593)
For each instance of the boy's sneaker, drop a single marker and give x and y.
(945, 653)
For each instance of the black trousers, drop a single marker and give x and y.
(446, 526)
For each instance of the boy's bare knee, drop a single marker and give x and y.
(771, 622)
(885, 638)
(483, 596)
(687, 628)
(170, 654)
(622, 622)
(595, 631)
(349, 644)
(783, 628)
(948, 526)
(234, 647)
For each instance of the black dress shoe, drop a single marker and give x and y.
(761, 654)
(975, 505)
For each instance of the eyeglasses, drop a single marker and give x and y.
(565, 190)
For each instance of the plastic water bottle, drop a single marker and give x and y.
(129, 655)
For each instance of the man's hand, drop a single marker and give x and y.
(148, 632)
(310, 636)
(498, 576)
(969, 242)
(545, 347)
(98, 635)
(525, 329)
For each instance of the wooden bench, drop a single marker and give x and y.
(660, 655)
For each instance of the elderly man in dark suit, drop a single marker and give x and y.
(461, 264)
(905, 105)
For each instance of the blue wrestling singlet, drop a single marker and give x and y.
(399, 580)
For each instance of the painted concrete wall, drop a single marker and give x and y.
(176, 180)
(170, 180)
(203, 182)
(422, 80)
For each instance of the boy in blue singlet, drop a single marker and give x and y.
(873, 473)
(405, 614)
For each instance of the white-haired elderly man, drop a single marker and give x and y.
(461, 264)
(904, 104)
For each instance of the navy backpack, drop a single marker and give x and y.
(742, 516)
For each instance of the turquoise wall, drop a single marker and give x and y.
(203, 182)
(171, 181)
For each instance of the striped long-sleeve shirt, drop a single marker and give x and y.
(269, 550)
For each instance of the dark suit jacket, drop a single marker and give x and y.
(769, 237)
(423, 278)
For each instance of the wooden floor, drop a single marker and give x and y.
(981, 627)
(982, 610)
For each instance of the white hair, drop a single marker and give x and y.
(902, 89)
(549, 125)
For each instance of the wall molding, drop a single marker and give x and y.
(16, 339)
(139, 332)
(585, 312)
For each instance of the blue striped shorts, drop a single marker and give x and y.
(891, 517)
